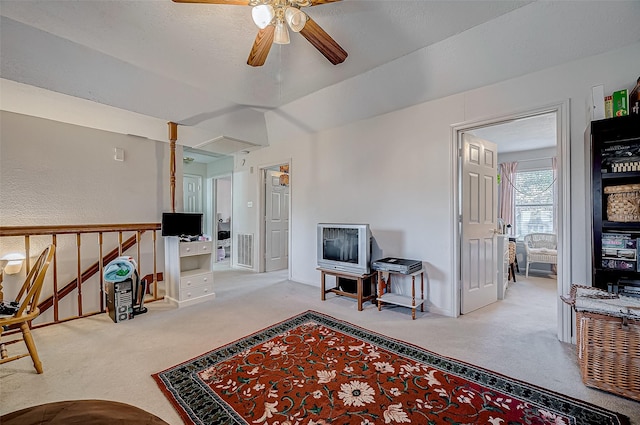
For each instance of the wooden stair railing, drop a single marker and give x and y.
(93, 269)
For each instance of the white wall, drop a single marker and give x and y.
(53, 173)
(393, 171)
(56, 173)
(220, 167)
(223, 198)
(195, 168)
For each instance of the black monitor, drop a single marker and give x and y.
(181, 224)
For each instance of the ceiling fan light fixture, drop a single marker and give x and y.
(296, 18)
(282, 33)
(262, 15)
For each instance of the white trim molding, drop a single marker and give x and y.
(561, 109)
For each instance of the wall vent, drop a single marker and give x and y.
(245, 249)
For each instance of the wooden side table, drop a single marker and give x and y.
(402, 300)
(360, 280)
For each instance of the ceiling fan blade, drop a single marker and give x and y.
(323, 42)
(317, 2)
(261, 46)
(235, 2)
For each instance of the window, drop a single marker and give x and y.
(534, 202)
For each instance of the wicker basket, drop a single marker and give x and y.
(623, 202)
(608, 351)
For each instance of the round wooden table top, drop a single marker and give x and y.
(86, 412)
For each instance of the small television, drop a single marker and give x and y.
(181, 224)
(344, 247)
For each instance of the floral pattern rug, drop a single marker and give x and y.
(313, 369)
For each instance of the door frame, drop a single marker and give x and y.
(213, 190)
(262, 228)
(561, 109)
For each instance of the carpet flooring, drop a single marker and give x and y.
(315, 369)
(94, 358)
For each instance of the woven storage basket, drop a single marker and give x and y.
(608, 351)
(623, 202)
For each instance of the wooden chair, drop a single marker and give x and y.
(513, 261)
(27, 309)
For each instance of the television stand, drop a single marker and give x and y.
(360, 280)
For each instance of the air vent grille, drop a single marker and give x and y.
(245, 249)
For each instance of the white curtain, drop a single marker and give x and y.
(507, 193)
(554, 167)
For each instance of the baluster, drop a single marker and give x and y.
(54, 240)
(27, 253)
(139, 266)
(59, 292)
(101, 270)
(155, 272)
(79, 278)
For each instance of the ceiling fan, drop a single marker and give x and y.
(273, 17)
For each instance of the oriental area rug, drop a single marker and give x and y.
(313, 369)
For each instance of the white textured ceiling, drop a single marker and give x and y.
(187, 62)
(206, 46)
(529, 133)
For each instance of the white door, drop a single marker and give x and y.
(479, 265)
(192, 187)
(276, 222)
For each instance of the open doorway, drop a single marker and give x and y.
(207, 189)
(222, 206)
(527, 190)
(515, 135)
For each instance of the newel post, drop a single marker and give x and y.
(173, 136)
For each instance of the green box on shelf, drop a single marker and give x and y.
(620, 104)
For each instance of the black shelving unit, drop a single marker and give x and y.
(616, 268)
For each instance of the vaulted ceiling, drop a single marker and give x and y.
(187, 62)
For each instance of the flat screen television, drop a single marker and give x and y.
(344, 247)
(181, 224)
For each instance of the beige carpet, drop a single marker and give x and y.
(95, 358)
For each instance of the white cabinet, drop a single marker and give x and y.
(188, 271)
(503, 265)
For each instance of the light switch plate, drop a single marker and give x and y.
(118, 154)
(598, 103)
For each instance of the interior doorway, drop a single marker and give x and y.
(207, 188)
(222, 205)
(560, 143)
(275, 207)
